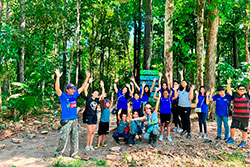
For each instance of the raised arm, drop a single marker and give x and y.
(57, 85)
(130, 91)
(115, 85)
(229, 90)
(156, 90)
(112, 100)
(136, 85)
(207, 99)
(87, 86)
(159, 82)
(158, 103)
(132, 88)
(129, 110)
(168, 80)
(211, 94)
(181, 73)
(84, 83)
(152, 87)
(191, 93)
(171, 79)
(143, 86)
(103, 90)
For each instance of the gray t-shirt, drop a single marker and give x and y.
(184, 100)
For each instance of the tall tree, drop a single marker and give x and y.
(200, 4)
(64, 41)
(20, 74)
(147, 54)
(246, 31)
(78, 7)
(168, 36)
(212, 31)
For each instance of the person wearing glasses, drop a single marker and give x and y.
(240, 114)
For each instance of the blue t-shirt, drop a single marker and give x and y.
(202, 104)
(145, 97)
(221, 104)
(136, 103)
(165, 105)
(105, 115)
(68, 104)
(122, 126)
(122, 102)
(134, 127)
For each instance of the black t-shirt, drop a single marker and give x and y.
(91, 105)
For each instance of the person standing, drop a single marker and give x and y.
(69, 118)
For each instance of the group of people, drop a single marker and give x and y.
(136, 118)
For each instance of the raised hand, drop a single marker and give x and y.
(208, 93)
(131, 83)
(143, 84)
(160, 74)
(132, 78)
(87, 73)
(102, 84)
(127, 85)
(229, 80)
(91, 80)
(196, 92)
(157, 89)
(154, 79)
(181, 72)
(58, 74)
(116, 80)
(193, 87)
(159, 94)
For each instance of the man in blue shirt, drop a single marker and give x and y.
(222, 101)
(69, 119)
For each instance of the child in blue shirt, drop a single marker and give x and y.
(104, 120)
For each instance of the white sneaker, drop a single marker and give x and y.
(200, 135)
(91, 148)
(161, 137)
(175, 129)
(166, 128)
(170, 139)
(205, 136)
(87, 148)
(179, 130)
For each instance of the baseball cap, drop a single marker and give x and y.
(70, 86)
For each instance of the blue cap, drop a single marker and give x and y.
(70, 86)
(107, 100)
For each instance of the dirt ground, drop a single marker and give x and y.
(39, 150)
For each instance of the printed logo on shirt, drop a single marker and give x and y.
(93, 105)
(71, 103)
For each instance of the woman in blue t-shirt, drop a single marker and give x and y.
(202, 101)
(122, 98)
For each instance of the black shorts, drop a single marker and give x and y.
(90, 119)
(239, 123)
(165, 118)
(103, 128)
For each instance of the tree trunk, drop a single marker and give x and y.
(1, 11)
(246, 30)
(78, 42)
(168, 36)
(200, 41)
(137, 77)
(235, 52)
(1, 98)
(65, 38)
(212, 31)
(20, 75)
(147, 54)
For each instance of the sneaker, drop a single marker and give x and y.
(87, 148)
(91, 148)
(170, 139)
(179, 130)
(230, 140)
(74, 154)
(205, 136)
(226, 138)
(96, 147)
(242, 144)
(104, 145)
(161, 137)
(183, 132)
(188, 136)
(175, 129)
(218, 138)
(201, 135)
(57, 154)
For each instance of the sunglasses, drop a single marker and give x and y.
(242, 89)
